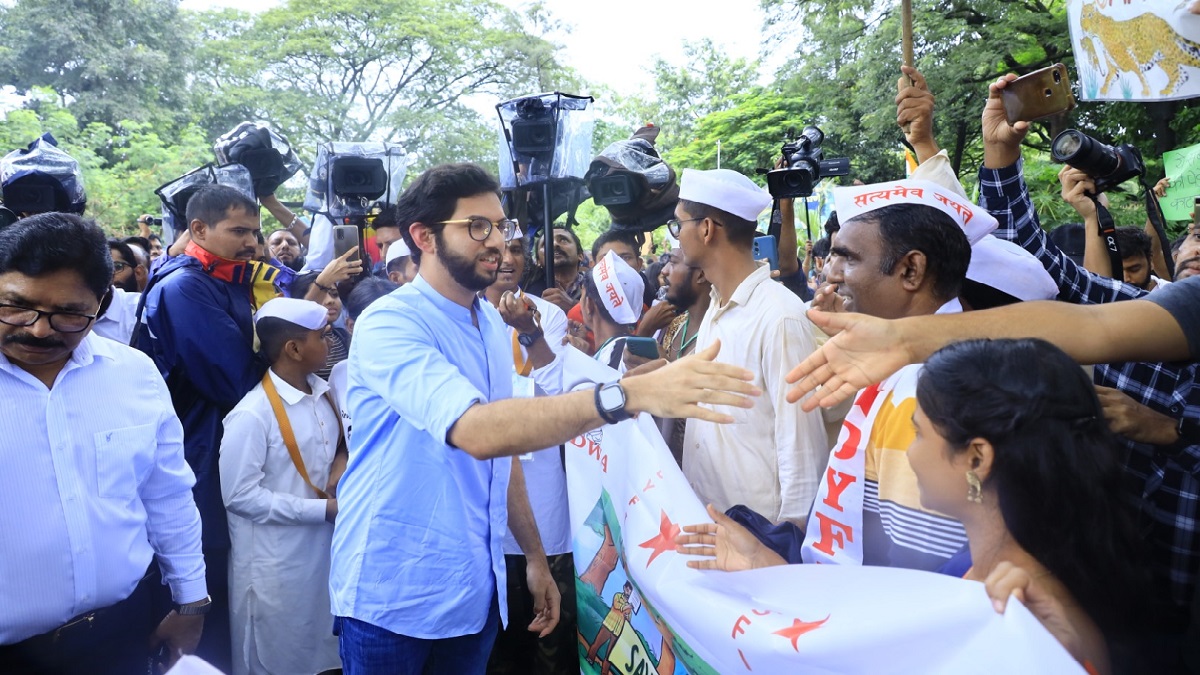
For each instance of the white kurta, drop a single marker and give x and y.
(772, 455)
(279, 562)
(545, 480)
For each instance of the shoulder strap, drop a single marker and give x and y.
(285, 430)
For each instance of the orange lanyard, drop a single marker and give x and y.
(289, 438)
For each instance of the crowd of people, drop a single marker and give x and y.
(288, 461)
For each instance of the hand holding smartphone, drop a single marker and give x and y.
(1040, 94)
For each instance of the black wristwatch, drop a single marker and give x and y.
(610, 402)
(527, 339)
(192, 609)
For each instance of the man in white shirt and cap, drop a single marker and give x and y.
(770, 459)
(281, 456)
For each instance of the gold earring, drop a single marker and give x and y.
(974, 488)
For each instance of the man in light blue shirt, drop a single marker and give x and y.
(418, 576)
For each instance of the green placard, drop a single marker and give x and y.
(1183, 168)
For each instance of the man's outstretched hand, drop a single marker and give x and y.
(863, 350)
(676, 390)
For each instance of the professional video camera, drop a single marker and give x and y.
(263, 151)
(349, 178)
(545, 137)
(631, 180)
(175, 194)
(1107, 165)
(40, 179)
(805, 166)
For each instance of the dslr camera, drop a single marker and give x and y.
(1107, 165)
(805, 166)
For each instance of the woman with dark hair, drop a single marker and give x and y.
(1011, 442)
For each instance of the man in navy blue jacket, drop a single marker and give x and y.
(195, 323)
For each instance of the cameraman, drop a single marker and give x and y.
(1143, 402)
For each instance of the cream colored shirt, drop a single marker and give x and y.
(771, 457)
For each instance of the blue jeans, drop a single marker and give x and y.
(367, 649)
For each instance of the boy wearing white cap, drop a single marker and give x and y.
(399, 264)
(612, 304)
(280, 456)
(771, 458)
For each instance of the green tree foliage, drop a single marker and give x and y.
(138, 90)
(849, 56)
(392, 70)
(108, 60)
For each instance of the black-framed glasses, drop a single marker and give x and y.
(63, 322)
(674, 225)
(120, 266)
(480, 228)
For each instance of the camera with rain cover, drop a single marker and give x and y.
(348, 179)
(804, 166)
(41, 178)
(1107, 165)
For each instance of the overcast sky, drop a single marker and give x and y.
(613, 41)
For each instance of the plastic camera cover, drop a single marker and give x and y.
(255, 136)
(637, 155)
(573, 119)
(179, 190)
(43, 158)
(320, 197)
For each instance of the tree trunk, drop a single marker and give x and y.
(1162, 113)
(960, 146)
(602, 565)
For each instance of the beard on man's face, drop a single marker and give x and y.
(129, 285)
(463, 269)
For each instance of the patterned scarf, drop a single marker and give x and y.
(257, 277)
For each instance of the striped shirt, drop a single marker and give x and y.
(897, 530)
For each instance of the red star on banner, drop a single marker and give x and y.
(665, 541)
(799, 628)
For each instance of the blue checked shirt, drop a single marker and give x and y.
(1165, 479)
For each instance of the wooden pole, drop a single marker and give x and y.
(906, 38)
(906, 31)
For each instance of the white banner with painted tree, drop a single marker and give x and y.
(643, 611)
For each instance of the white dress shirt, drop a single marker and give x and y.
(279, 556)
(771, 457)
(96, 485)
(120, 318)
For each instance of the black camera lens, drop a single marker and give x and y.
(1085, 153)
(357, 178)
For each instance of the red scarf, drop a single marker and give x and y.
(232, 271)
(256, 277)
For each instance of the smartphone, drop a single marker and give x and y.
(345, 237)
(1042, 93)
(766, 247)
(1196, 210)
(644, 347)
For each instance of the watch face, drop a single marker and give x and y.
(612, 397)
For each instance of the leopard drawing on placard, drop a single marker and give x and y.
(1136, 46)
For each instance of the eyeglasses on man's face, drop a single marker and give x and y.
(674, 225)
(63, 322)
(119, 266)
(480, 228)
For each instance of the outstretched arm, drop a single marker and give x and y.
(867, 350)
